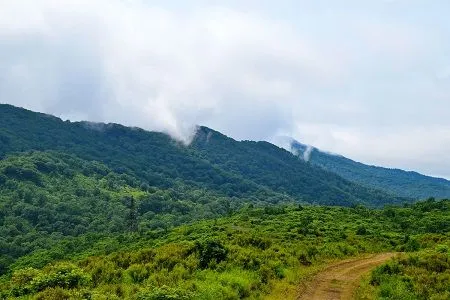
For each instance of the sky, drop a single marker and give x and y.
(366, 79)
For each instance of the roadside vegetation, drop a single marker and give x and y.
(423, 275)
(256, 253)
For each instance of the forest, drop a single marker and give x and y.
(212, 161)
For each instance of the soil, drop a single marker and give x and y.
(339, 281)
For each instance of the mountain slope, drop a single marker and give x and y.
(62, 180)
(399, 182)
(223, 165)
(152, 157)
(46, 197)
(268, 165)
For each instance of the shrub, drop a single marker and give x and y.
(64, 275)
(361, 230)
(165, 293)
(442, 248)
(209, 251)
(137, 273)
(412, 245)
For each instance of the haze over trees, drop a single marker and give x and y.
(396, 181)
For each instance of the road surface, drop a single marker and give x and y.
(339, 281)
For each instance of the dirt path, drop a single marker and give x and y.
(339, 281)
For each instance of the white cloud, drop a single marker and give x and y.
(330, 78)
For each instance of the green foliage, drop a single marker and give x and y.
(210, 252)
(77, 198)
(165, 293)
(423, 275)
(241, 256)
(361, 230)
(246, 170)
(279, 170)
(153, 158)
(64, 276)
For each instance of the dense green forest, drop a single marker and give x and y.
(395, 181)
(46, 196)
(254, 253)
(213, 161)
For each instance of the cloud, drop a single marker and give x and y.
(142, 65)
(253, 70)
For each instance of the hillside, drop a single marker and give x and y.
(256, 253)
(222, 165)
(395, 181)
(62, 180)
(48, 196)
(278, 169)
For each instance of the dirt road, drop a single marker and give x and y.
(339, 281)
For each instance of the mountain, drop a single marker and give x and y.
(395, 181)
(61, 180)
(255, 170)
(276, 168)
(138, 213)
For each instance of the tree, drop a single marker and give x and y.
(132, 214)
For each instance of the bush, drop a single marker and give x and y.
(361, 230)
(65, 275)
(210, 251)
(442, 248)
(412, 245)
(424, 275)
(165, 293)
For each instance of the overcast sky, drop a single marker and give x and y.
(367, 79)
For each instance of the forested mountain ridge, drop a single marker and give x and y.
(153, 157)
(278, 169)
(399, 182)
(213, 161)
(60, 180)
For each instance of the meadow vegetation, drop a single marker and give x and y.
(250, 254)
(423, 275)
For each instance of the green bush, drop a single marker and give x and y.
(138, 273)
(423, 275)
(165, 293)
(64, 275)
(210, 251)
